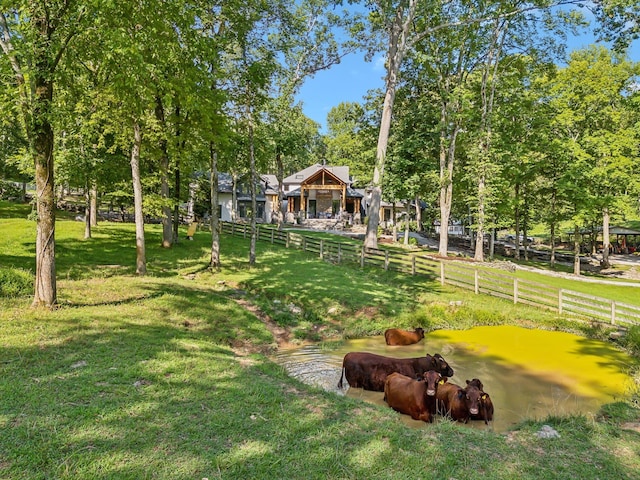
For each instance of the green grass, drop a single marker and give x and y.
(168, 376)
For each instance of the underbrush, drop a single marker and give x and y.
(15, 282)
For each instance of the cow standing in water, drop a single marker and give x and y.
(416, 398)
(394, 336)
(486, 405)
(370, 371)
(458, 403)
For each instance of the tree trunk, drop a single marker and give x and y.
(492, 244)
(234, 197)
(176, 205)
(141, 259)
(87, 212)
(447, 158)
(576, 250)
(516, 240)
(418, 215)
(605, 238)
(398, 34)
(479, 248)
(42, 147)
(94, 203)
(280, 177)
(406, 225)
(167, 227)
(553, 244)
(215, 234)
(394, 223)
(252, 189)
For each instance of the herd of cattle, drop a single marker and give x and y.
(416, 386)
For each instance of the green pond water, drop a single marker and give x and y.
(529, 374)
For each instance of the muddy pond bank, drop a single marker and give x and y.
(530, 374)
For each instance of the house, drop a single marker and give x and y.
(322, 192)
(316, 192)
(266, 197)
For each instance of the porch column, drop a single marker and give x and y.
(303, 203)
(344, 198)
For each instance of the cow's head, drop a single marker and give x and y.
(471, 397)
(419, 331)
(476, 383)
(432, 379)
(441, 365)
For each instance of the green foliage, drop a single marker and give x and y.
(15, 282)
(632, 339)
(10, 191)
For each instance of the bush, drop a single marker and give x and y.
(15, 282)
(10, 191)
(632, 339)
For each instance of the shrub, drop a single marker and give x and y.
(15, 282)
(633, 338)
(10, 191)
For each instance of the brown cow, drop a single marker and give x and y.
(457, 402)
(413, 397)
(486, 405)
(370, 371)
(394, 336)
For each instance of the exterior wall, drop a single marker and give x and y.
(224, 200)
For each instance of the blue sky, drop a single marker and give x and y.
(350, 80)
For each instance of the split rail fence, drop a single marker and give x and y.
(479, 280)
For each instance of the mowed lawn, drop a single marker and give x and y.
(169, 375)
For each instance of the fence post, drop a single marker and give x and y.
(515, 290)
(362, 257)
(613, 312)
(257, 232)
(321, 249)
(413, 264)
(442, 272)
(476, 282)
(304, 244)
(233, 228)
(244, 231)
(339, 253)
(386, 259)
(288, 239)
(273, 231)
(560, 301)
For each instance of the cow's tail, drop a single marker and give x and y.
(340, 383)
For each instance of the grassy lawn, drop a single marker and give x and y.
(168, 376)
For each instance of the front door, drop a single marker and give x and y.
(324, 204)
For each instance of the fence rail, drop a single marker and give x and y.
(480, 281)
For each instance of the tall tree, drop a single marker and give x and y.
(35, 36)
(397, 20)
(591, 96)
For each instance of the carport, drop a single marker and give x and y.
(627, 239)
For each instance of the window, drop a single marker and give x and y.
(244, 210)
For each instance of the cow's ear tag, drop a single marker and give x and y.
(484, 397)
(441, 382)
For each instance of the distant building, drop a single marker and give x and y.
(322, 192)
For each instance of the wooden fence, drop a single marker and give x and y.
(480, 280)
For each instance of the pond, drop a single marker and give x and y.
(530, 374)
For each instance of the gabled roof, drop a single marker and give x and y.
(225, 185)
(341, 173)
